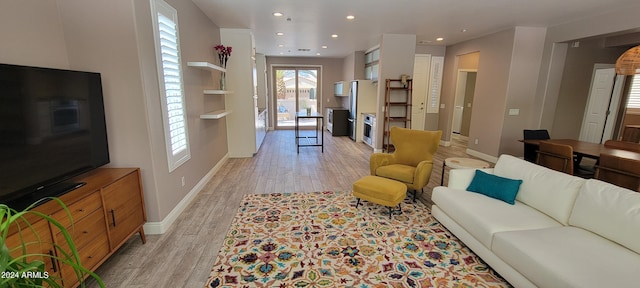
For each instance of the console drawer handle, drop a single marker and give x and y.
(53, 261)
(113, 217)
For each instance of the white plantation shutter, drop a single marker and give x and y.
(170, 78)
(435, 84)
(634, 93)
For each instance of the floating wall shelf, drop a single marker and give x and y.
(217, 92)
(206, 66)
(215, 114)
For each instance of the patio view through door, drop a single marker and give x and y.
(296, 89)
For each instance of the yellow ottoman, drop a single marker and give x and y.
(381, 191)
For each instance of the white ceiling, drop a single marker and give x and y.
(308, 24)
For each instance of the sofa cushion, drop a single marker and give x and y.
(549, 191)
(461, 178)
(496, 187)
(609, 211)
(482, 216)
(398, 172)
(567, 257)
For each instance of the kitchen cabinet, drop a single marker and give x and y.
(261, 128)
(338, 121)
(341, 89)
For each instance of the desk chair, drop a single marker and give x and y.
(622, 145)
(623, 172)
(558, 157)
(530, 151)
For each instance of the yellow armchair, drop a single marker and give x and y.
(412, 161)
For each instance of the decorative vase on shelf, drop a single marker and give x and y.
(222, 81)
(224, 52)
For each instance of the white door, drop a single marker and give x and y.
(458, 110)
(421, 67)
(595, 113)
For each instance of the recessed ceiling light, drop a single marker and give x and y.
(318, 54)
(280, 45)
(334, 36)
(324, 47)
(463, 30)
(281, 53)
(351, 17)
(439, 39)
(280, 34)
(278, 14)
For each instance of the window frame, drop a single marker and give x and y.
(371, 65)
(174, 160)
(633, 100)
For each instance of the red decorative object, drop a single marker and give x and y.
(223, 54)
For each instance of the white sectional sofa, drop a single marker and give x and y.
(562, 231)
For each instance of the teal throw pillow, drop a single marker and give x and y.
(497, 187)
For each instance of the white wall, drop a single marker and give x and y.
(397, 54)
(32, 34)
(523, 78)
(555, 48)
(115, 39)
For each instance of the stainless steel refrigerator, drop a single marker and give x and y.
(362, 99)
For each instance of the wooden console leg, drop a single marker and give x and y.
(142, 236)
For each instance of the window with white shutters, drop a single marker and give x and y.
(165, 20)
(634, 93)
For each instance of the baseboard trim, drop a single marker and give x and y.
(445, 143)
(482, 156)
(164, 225)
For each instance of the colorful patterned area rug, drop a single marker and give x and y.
(321, 240)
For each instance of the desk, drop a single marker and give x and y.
(319, 127)
(580, 148)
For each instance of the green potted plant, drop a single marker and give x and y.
(28, 269)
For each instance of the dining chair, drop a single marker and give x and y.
(554, 156)
(623, 145)
(530, 150)
(623, 172)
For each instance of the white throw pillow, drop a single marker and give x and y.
(609, 211)
(549, 191)
(461, 178)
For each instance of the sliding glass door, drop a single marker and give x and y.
(295, 89)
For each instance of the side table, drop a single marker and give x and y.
(319, 127)
(460, 162)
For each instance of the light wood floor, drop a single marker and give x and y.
(184, 255)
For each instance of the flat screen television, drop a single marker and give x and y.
(52, 128)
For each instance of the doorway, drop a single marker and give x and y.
(602, 105)
(463, 107)
(295, 89)
(421, 67)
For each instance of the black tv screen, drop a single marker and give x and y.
(52, 128)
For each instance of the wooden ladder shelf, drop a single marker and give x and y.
(397, 108)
